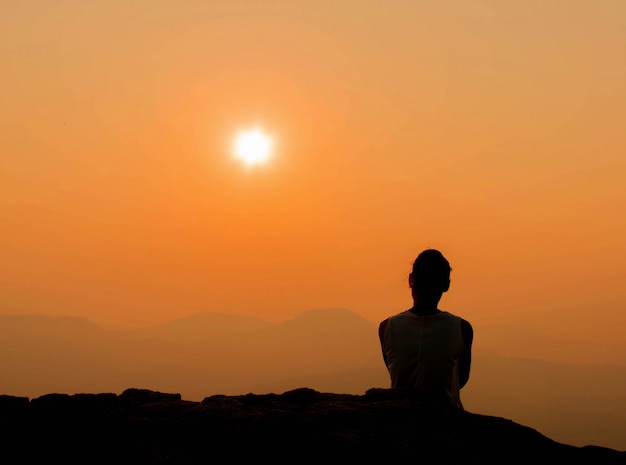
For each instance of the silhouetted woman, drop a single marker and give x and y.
(426, 349)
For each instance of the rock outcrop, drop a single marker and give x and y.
(301, 426)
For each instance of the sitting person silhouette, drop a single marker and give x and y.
(425, 349)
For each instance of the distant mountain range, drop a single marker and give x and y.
(329, 350)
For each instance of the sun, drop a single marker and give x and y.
(253, 147)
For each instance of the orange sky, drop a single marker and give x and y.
(491, 130)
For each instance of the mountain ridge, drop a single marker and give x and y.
(331, 350)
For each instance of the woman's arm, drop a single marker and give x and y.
(465, 362)
(381, 335)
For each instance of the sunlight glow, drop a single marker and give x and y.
(253, 147)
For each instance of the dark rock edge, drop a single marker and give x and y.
(141, 426)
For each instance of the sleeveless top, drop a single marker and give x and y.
(423, 354)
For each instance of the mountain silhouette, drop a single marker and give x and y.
(329, 350)
(206, 324)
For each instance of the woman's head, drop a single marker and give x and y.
(431, 273)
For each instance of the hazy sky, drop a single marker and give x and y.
(492, 130)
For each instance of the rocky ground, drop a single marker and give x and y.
(300, 426)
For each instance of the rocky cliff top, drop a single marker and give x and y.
(301, 426)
